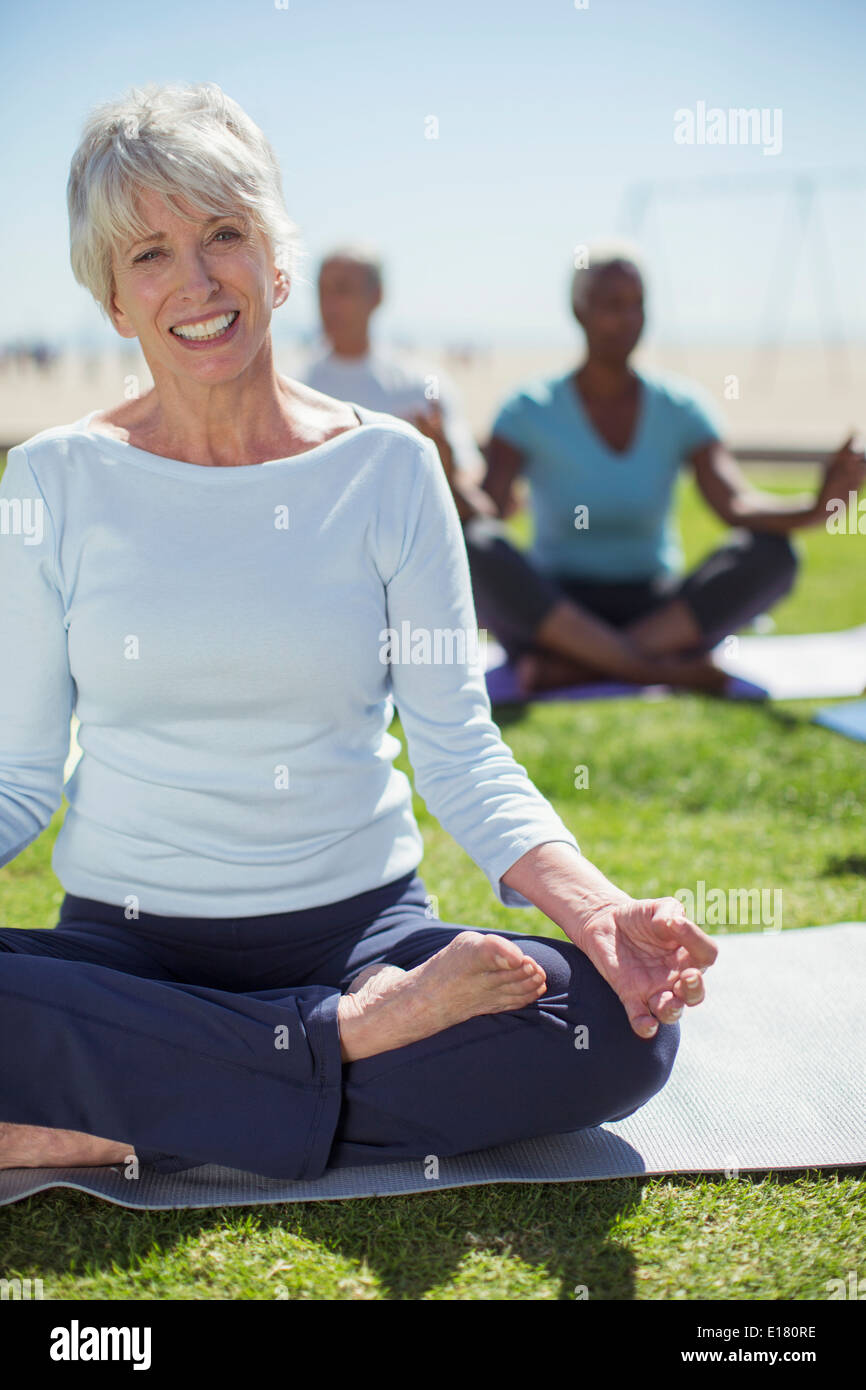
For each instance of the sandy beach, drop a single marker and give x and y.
(798, 396)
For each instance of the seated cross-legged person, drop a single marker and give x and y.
(245, 970)
(357, 369)
(601, 590)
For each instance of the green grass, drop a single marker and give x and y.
(779, 1237)
(684, 789)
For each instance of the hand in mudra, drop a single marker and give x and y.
(652, 957)
(845, 473)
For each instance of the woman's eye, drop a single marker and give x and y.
(229, 232)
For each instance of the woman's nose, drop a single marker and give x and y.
(194, 275)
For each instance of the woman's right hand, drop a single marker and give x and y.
(845, 473)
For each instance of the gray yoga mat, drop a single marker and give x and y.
(770, 1074)
(807, 666)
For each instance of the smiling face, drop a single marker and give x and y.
(612, 315)
(197, 295)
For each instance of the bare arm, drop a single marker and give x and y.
(469, 498)
(733, 498)
(504, 463)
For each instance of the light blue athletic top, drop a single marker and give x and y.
(627, 531)
(218, 633)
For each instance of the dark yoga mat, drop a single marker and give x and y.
(769, 1075)
(502, 690)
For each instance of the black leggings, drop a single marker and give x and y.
(743, 578)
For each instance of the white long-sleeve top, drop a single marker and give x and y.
(219, 633)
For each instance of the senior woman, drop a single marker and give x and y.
(227, 579)
(601, 446)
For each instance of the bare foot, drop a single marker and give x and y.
(474, 974)
(383, 974)
(692, 673)
(32, 1146)
(543, 670)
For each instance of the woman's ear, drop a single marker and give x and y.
(282, 288)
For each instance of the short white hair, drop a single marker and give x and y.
(592, 260)
(187, 142)
(362, 254)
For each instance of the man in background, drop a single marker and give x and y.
(350, 290)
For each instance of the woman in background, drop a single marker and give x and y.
(602, 446)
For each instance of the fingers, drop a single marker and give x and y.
(853, 444)
(851, 448)
(702, 950)
(429, 421)
(669, 915)
(642, 1022)
(845, 470)
(696, 953)
(689, 988)
(679, 982)
(645, 1015)
(665, 1006)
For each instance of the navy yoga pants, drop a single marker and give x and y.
(743, 578)
(200, 1040)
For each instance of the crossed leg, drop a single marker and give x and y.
(492, 1038)
(36, 1146)
(565, 1060)
(557, 635)
(472, 974)
(39, 1146)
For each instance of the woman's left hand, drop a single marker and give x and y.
(651, 955)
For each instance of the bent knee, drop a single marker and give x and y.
(647, 1069)
(775, 556)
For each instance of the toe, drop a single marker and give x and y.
(501, 953)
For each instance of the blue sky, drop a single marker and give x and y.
(548, 115)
